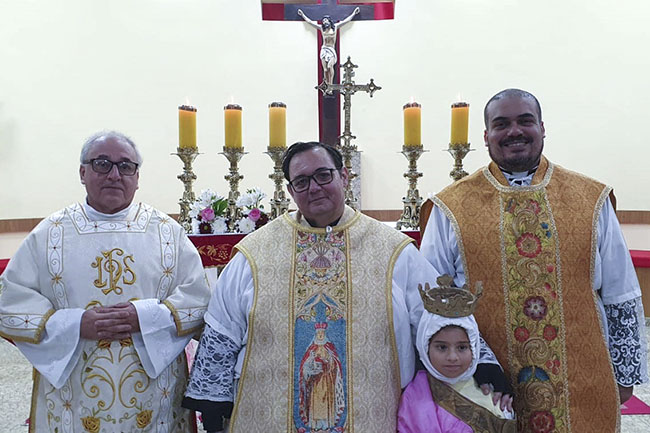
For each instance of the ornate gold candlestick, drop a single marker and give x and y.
(187, 155)
(458, 152)
(279, 203)
(233, 154)
(412, 202)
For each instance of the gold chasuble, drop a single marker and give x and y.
(320, 354)
(70, 262)
(547, 334)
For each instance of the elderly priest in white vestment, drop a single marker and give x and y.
(102, 298)
(315, 315)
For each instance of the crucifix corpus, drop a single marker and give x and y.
(328, 55)
(329, 105)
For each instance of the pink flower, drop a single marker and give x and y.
(207, 214)
(254, 214)
(521, 334)
(535, 307)
(529, 245)
(553, 365)
(550, 332)
(541, 422)
(534, 206)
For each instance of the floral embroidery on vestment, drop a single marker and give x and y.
(534, 298)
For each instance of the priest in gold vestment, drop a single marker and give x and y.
(561, 304)
(318, 304)
(102, 298)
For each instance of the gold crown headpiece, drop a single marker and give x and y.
(448, 300)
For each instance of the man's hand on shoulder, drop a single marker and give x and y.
(115, 322)
(491, 379)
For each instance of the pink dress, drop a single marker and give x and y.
(418, 413)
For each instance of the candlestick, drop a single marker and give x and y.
(232, 126)
(279, 203)
(458, 152)
(277, 125)
(187, 155)
(233, 154)
(412, 202)
(459, 123)
(187, 127)
(412, 124)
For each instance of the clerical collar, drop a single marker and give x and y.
(519, 178)
(332, 224)
(95, 215)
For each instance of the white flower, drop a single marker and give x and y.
(195, 226)
(195, 210)
(245, 200)
(246, 225)
(257, 195)
(205, 197)
(219, 225)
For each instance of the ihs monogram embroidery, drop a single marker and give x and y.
(107, 263)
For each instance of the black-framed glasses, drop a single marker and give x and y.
(321, 177)
(103, 166)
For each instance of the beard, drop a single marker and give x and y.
(520, 161)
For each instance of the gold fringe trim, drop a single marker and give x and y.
(177, 320)
(292, 321)
(251, 322)
(389, 306)
(37, 334)
(592, 273)
(502, 188)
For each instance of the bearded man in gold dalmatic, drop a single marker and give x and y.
(561, 303)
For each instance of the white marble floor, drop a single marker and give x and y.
(16, 387)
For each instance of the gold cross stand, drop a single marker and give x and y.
(348, 88)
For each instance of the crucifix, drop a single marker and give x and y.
(347, 89)
(329, 105)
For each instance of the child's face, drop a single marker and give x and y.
(450, 352)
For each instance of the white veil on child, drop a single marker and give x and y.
(430, 324)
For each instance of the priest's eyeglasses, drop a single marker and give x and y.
(104, 166)
(321, 177)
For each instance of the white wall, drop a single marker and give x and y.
(71, 67)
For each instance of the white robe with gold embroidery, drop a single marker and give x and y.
(383, 313)
(77, 259)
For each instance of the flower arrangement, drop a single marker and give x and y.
(253, 215)
(208, 212)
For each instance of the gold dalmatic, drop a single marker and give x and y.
(547, 335)
(321, 345)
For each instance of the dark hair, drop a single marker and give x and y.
(511, 93)
(301, 146)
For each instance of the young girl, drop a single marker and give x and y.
(445, 398)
